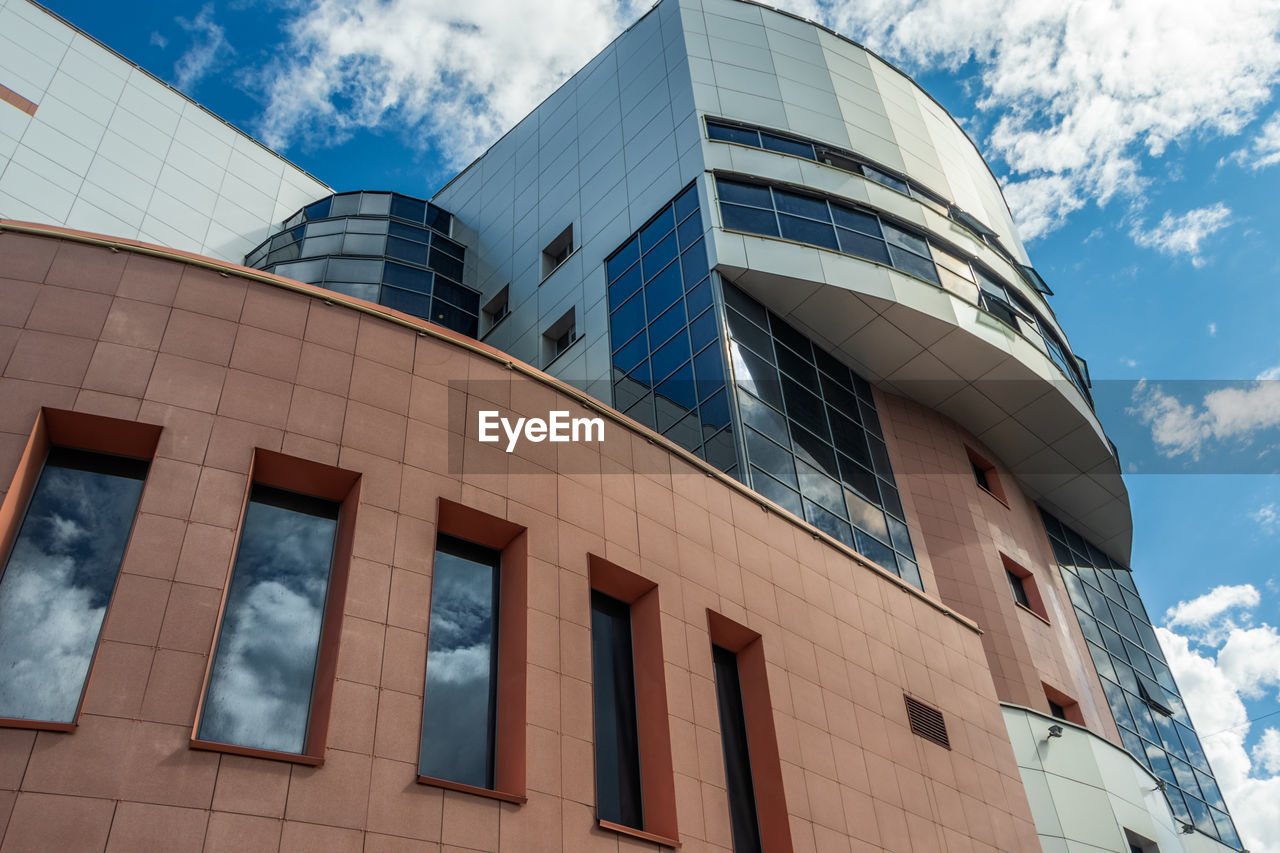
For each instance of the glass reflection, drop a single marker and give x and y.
(58, 580)
(462, 646)
(1147, 698)
(260, 687)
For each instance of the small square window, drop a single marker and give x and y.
(497, 308)
(557, 251)
(1019, 591)
(1062, 706)
(1022, 583)
(984, 474)
(559, 336)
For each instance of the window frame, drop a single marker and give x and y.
(657, 768)
(747, 645)
(993, 485)
(1030, 588)
(304, 477)
(511, 541)
(1071, 711)
(75, 431)
(557, 252)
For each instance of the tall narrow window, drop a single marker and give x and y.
(737, 756)
(460, 706)
(263, 676)
(58, 580)
(758, 814)
(473, 710)
(618, 791)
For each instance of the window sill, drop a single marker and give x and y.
(496, 323)
(557, 267)
(250, 752)
(518, 799)
(638, 833)
(1025, 609)
(560, 354)
(38, 725)
(1002, 501)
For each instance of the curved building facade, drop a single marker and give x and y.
(833, 553)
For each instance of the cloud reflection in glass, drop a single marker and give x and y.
(260, 688)
(460, 699)
(58, 580)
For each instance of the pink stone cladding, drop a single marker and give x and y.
(226, 364)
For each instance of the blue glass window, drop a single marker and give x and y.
(1143, 697)
(652, 334)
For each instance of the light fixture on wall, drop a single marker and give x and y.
(1055, 731)
(1188, 828)
(1160, 785)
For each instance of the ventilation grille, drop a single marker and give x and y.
(927, 722)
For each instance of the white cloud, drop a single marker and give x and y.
(1082, 91)
(1182, 235)
(1234, 412)
(1213, 330)
(1268, 517)
(1073, 95)
(1264, 150)
(1250, 657)
(1201, 613)
(1266, 752)
(209, 44)
(1212, 693)
(462, 74)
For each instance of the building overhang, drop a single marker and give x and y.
(919, 341)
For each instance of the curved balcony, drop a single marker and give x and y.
(958, 351)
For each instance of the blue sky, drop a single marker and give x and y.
(1140, 148)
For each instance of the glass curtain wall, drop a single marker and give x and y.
(1140, 689)
(668, 354)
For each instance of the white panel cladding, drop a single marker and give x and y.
(605, 152)
(113, 150)
(1085, 792)
(763, 67)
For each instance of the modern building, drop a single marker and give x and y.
(836, 556)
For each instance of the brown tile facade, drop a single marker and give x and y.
(227, 363)
(973, 537)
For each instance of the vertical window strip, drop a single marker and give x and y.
(743, 819)
(460, 701)
(263, 677)
(59, 578)
(1102, 591)
(668, 353)
(618, 786)
(813, 441)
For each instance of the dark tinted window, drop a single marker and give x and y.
(737, 756)
(614, 692)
